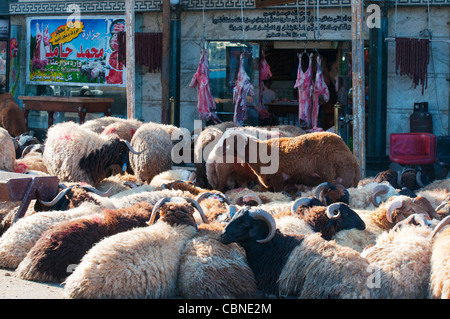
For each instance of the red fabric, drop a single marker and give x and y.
(205, 101)
(412, 148)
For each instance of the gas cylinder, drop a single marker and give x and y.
(420, 120)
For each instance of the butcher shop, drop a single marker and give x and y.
(268, 62)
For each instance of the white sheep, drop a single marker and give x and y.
(23, 234)
(155, 143)
(140, 263)
(75, 154)
(8, 151)
(440, 262)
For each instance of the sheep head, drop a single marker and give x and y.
(109, 160)
(332, 192)
(249, 226)
(70, 197)
(402, 207)
(177, 211)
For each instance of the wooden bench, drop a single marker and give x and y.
(23, 187)
(52, 104)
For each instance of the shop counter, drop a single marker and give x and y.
(283, 112)
(80, 105)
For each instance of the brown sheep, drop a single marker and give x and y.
(308, 159)
(11, 116)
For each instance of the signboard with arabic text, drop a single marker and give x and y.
(63, 51)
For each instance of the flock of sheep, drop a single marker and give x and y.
(127, 224)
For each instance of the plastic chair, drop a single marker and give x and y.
(412, 148)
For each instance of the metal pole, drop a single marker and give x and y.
(131, 63)
(165, 71)
(358, 88)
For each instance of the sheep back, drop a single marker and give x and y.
(404, 255)
(139, 263)
(17, 241)
(67, 143)
(65, 243)
(440, 266)
(156, 144)
(8, 151)
(311, 159)
(212, 270)
(320, 269)
(11, 116)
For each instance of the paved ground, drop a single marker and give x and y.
(14, 288)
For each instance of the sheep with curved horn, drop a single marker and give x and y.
(140, 263)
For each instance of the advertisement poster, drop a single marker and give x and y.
(63, 51)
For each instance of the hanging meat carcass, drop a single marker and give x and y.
(206, 104)
(320, 88)
(264, 74)
(304, 86)
(241, 90)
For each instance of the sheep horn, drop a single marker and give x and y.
(132, 150)
(192, 177)
(445, 202)
(205, 195)
(57, 198)
(318, 191)
(332, 209)
(270, 221)
(377, 191)
(441, 225)
(399, 179)
(96, 191)
(248, 197)
(164, 200)
(156, 208)
(303, 201)
(419, 179)
(198, 207)
(392, 206)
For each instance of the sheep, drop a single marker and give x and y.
(439, 287)
(327, 220)
(370, 195)
(324, 156)
(357, 239)
(399, 208)
(64, 244)
(12, 118)
(139, 263)
(208, 268)
(31, 160)
(145, 193)
(304, 266)
(443, 210)
(75, 154)
(23, 234)
(118, 183)
(73, 196)
(172, 175)
(203, 144)
(155, 143)
(403, 254)
(123, 129)
(245, 196)
(229, 173)
(98, 125)
(8, 153)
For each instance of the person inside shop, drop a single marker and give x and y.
(269, 95)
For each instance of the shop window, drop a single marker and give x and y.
(224, 58)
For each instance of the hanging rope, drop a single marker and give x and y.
(203, 44)
(242, 19)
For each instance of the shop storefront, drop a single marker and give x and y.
(283, 33)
